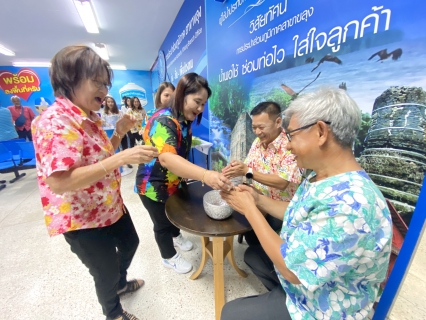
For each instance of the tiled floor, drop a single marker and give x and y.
(42, 279)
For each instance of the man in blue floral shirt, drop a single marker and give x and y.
(333, 250)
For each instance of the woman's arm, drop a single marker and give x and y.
(77, 178)
(62, 181)
(185, 169)
(116, 140)
(180, 166)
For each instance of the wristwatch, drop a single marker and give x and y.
(249, 176)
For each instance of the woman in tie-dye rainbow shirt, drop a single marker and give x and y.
(169, 130)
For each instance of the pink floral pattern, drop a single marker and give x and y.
(66, 138)
(275, 159)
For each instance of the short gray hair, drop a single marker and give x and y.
(14, 97)
(328, 104)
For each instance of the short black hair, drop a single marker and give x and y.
(269, 107)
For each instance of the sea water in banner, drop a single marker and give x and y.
(184, 51)
(376, 50)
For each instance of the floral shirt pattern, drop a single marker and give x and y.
(140, 117)
(167, 134)
(275, 159)
(337, 235)
(65, 138)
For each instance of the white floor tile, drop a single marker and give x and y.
(42, 279)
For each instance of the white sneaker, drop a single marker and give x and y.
(182, 243)
(179, 264)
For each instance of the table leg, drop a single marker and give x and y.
(218, 250)
(231, 258)
(219, 287)
(204, 242)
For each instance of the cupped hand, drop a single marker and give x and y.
(217, 181)
(239, 199)
(125, 123)
(140, 154)
(235, 169)
(252, 190)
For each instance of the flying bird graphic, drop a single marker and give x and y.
(328, 58)
(383, 54)
(294, 94)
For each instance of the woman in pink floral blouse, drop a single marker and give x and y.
(78, 174)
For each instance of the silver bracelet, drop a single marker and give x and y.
(100, 162)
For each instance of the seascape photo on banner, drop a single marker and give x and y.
(375, 50)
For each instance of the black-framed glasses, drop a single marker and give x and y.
(303, 128)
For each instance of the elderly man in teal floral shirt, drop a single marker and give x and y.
(333, 250)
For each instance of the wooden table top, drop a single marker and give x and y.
(186, 211)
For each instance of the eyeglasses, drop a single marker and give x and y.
(100, 84)
(303, 128)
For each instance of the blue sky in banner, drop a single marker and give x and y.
(185, 51)
(229, 26)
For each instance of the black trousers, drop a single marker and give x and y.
(24, 134)
(107, 253)
(251, 237)
(164, 230)
(124, 143)
(267, 306)
(133, 137)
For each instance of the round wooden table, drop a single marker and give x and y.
(186, 211)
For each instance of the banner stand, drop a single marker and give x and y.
(403, 262)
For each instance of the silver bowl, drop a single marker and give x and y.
(215, 207)
(237, 181)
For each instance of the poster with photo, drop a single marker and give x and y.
(184, 51)
(260, 50)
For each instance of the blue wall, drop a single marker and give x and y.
(184, 50)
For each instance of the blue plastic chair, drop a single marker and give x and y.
(27, 154)
(12, 146)
(7, 164)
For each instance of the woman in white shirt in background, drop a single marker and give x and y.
(110, 115)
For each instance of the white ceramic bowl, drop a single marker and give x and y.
(215, 207)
